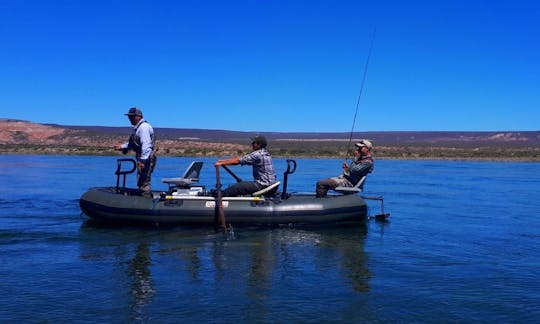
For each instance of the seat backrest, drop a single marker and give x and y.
(190, 176)
(193, 171)
(358, 187)
(360, 183)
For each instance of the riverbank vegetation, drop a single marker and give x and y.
(291, 149)
(22, 137)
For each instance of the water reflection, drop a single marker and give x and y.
(354, 259)
(258, 268)
(193, 262)
(138, 273)
(122, 272)
(262, 265)
(263, 258)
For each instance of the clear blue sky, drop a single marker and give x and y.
(464, 65)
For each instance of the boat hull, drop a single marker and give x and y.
(104, 204)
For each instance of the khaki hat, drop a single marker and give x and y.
(365, 143)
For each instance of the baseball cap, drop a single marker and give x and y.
(134, 112)
(259, 139)
(365, 143)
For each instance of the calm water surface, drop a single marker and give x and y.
(461, 246)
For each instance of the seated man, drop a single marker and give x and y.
(361, 166)
(263, 169)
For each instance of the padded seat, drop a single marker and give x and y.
(271, 189)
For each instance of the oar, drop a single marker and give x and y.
(237, 178)
(220, 213)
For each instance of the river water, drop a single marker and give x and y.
(461, 245)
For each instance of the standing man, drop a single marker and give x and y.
(360, 166)
(263, 169)
(142, 142)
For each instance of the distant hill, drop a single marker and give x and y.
(18, 136)
(519, 138)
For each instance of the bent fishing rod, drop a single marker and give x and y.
(360, 94)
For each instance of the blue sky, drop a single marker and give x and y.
(290, 66)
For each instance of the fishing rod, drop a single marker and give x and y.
(360, 94)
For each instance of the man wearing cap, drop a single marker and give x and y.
(263, 169)
(142, 142)
(361, 166)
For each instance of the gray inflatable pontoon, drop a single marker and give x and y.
(186, 203)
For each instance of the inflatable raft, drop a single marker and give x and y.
(188, 203)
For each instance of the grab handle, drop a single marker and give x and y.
(291, 168)
(119, 172)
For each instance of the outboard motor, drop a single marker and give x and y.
(291, 168)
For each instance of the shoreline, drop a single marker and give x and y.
(484, 154)
(20, 137)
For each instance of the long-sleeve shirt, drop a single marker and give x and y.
(141, 140)
(359, 168)
(263, 169)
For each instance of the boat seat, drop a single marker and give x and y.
(350, 190)
(190, 177)
(270, 190)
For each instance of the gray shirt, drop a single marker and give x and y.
(263, 169)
